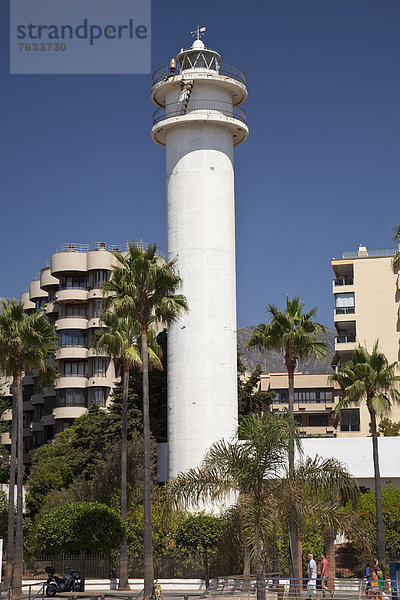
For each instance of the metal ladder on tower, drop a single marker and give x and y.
(186, 92)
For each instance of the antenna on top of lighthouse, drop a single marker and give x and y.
(200, 31)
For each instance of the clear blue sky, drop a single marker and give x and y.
(319, 173)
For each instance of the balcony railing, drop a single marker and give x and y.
(345, 310)
(122, 247)
(224, 69)
(344, 281)
(217, 107)
(390, 252)
(345, 339)
(80, 286)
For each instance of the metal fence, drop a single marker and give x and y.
(103, 566)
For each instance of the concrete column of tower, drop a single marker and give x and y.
(199, 123)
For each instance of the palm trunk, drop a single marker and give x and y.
(123, 549)
(260, 581)
(246, 558)
(19, 539)
(148, 538)
(294, 562)
(380, 532)
(206, 573)
(11, 503)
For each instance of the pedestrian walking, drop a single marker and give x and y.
(311, 577)
(325, 576)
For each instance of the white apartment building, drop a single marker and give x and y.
(69, 290)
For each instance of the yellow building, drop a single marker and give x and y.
(367, 302)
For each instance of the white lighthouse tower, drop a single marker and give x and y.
(199, 123)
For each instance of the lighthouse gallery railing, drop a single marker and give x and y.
(199, 106)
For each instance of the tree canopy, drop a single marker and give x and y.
(88, 526)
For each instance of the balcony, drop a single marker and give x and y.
(47, 281)
(71, 381)
(99, 381)
(72, 294)
(69, 412)
(199, 111)
(37, 399)
(343, 281)
(344, 313)
(96, 323)
(345, 339)
(6, 438)
(47, 420)
(347, 310)
(345, 343)
(71, 322)
(71, 352)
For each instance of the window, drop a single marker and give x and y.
(97, 309)
(73, 337)
(99, 396)
(344, 303)
(74, 281)
(99, 367)
(305, 396)
(100, 277)
(27, 391)
(318, 420)
(71, 397)
(76, 368)
(77, 310)
(350, 419)
(40, 303)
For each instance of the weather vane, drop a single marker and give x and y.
(198, 32)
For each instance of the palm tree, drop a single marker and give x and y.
(143, 287)
(253, 471)
(370, 378)
(120, 341)
(245, 468)
(25, 341)
(396, 258)
(295, 334)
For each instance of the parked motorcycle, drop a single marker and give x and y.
(71, 582)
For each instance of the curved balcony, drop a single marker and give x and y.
(71, 352)
(47, 281)
(51, 308)
(71, 295)
(100, 260)
(48, 391)
(37, 399)
(95, 322)
(68, 260)
(74, 381)
(36, 426)
(95, 294)
(47, 420)
(99, 382)
(75, 322)
(69, 412)
(199, 111)
(92, 353)
(6, 438)
(35, 291)
(28, 305)
(227, 76)
(7, 415)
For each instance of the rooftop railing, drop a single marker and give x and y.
(389, 252)
(225, 69)
(213, 107)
